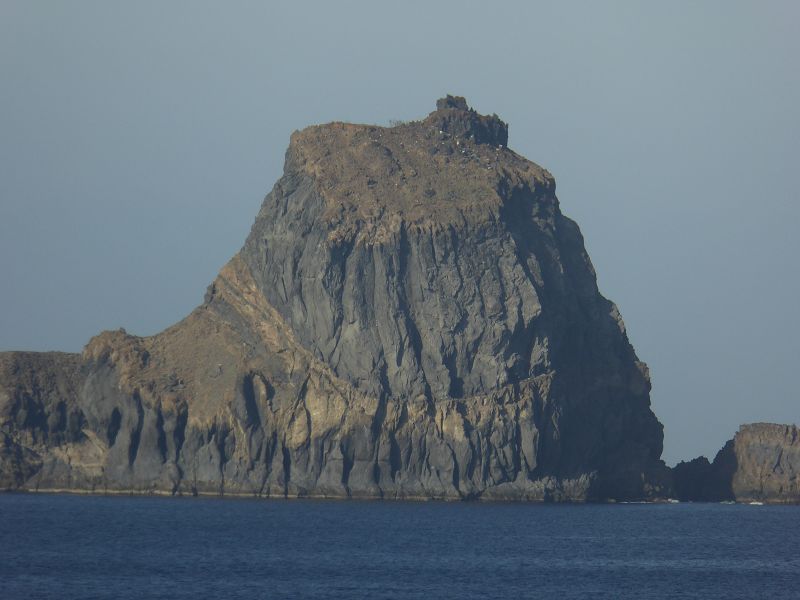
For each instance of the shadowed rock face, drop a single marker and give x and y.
(701, 481)
(410, 316)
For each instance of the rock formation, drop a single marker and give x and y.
(411, 316)
(699, 480)
(760, 464)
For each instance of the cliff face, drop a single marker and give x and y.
(410, 316)
(760, 464)
(767, 463)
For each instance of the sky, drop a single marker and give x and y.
(138, 139)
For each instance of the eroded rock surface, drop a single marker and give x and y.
(767, 463)
(410, 316)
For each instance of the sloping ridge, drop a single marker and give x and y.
(411, 316)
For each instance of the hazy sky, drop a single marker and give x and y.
(137, 140)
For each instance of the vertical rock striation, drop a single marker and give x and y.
(410, 316)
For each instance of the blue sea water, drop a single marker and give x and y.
(61, 546)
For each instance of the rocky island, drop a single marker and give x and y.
(760, 464)
(411, 316)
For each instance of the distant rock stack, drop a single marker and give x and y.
(411, 316)
(760, 464)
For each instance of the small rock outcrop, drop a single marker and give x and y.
(760, 464)
(699, 480)
(411, 316)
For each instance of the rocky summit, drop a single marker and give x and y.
(411, 316)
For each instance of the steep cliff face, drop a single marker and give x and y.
(37, 410)
(410, 316)
(767, 463)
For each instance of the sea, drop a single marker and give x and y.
(71, 546)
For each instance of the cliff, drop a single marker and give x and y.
(411, 316)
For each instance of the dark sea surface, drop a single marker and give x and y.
(62, 546)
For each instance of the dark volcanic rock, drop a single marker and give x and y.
(38, 410)
(701, 481)
(410, 316)
(453, 116)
